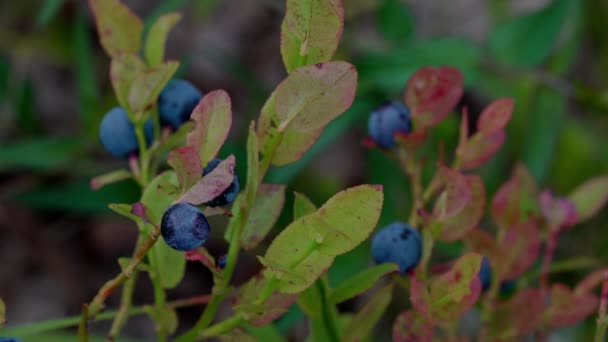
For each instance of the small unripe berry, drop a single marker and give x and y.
(184, 227)
(399, 243)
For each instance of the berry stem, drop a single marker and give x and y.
(411, 166)
(144, 158)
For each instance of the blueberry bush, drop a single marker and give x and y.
(171, 137)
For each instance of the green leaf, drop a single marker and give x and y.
(366, 319)
(264, 214)
(178, 138)
(347, 219)
(125, 68)
(311, 31)
(187, 166)
(147, 86)
(253, 168)
(213, 117)
(212, 184)
(310, 301)
(302, 206)
(360, 282)
(590, 197)
(157, 38)
(125, 210)
(267, 333)
(260, 314)
(119, 29)
(528, 40)
(395, 21)
(311, 96)
(305, 266)
(157, 197)
(40, 153)
(165, 318)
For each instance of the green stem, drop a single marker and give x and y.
(125, 305)
(83, 333)
(224, 326)
(328, 310)
(144, 158)
(267, 158)
(159, 302)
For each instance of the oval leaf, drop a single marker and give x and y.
(477, 150)
(264, 214)
(213, 117)
(157, 38)
(496, 116)
(123, 71)
(456, 227)
(312, 96)
(567, 308)
(261, 314)
(147, 86)
(311, 31)
(590, 197)
(520, 248)
(187, 166)
(360, 282)
(213, 184)
(302, 206)
(456, 196)
(119, 28)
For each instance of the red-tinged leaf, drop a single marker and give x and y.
(312, 96)
(456, 227)
(187, 166)
(560, 212)
(264, 214)
(118, 27)
(213, 117)
(410, 327)
(590, 197)
(479, 148)
(148, 84)
(432, 93)
(590, 282)
(124, 69)
(202, 255)
(139, 209)
(496, 116)
(568, 308)
(411, 140)
(520, 315)
(464, 271)
(456, 195)
(520, 248)
(311, 31)
(264, 313)
(421, 298)
(212, 185)
(516, 200)
(482, 242)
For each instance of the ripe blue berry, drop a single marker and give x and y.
(485, 274)
(221, 261)
(399, 243)
(176, 102)
(229, 194)
(117, 133)
(388, 119)
(184, 227)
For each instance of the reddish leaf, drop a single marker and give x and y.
(519, 249)
(456, 196)
(457, 226)
(520, 315)
(420, 298)
(479, 148)
(212, 185)
(568, 308)
(409, 327)
(590, 282)
(432, 93)
(496, 116)
(559, 212)
(266, 312)
(213, 117)
(590, 197)
(482, 242)
(516, 200)
(187, 165)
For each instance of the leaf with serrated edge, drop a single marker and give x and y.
(458, 193)
(495, 116)
(264, 214)
(311, 31)
(431, 94)
(302, 206)
(360, 282)
(147, 86)
(118, 27)
(160, 193)
(213, 117)
(590, 197)
(124, 69)
(187, 166)
(213, 184)
(366, 319)
(156, 40)
(456, 227)
(312, 96)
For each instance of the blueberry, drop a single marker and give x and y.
(184, 227)
(399, 243)
(485, 274)
(221, 261)
(390, 118)
(177, 101)
(10, 339)
(229, 194)
(117, 133)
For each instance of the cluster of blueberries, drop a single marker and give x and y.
(183, 226)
